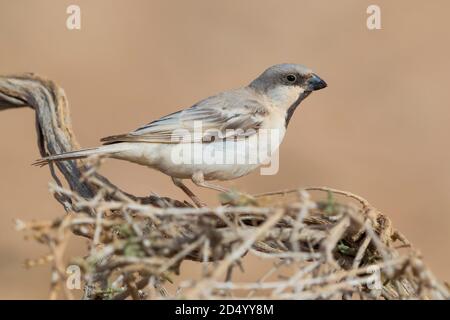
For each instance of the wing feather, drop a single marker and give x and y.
(234, 114)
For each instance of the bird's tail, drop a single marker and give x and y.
(79, 154)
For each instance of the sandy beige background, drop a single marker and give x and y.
(380, 129)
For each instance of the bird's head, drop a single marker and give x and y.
(287, 84)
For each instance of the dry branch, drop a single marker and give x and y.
(54, 132)
(318, 249)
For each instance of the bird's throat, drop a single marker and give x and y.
(290, 111)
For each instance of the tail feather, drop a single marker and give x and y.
(72, 155)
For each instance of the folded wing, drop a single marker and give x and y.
(234, 114)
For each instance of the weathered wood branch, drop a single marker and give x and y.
(55, 134)
(134, 246)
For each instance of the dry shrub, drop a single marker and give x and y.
(333, 247)
(323, 249)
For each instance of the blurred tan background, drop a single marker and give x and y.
(380, 129)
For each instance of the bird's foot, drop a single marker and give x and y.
(179, 183)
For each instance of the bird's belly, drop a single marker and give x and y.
(220, 160)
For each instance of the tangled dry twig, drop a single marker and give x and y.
(311, 249)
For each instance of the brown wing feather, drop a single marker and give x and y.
(226, 111)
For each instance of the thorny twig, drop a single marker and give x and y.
(317, 249)
(330, 253)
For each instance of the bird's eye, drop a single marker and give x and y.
(291, 78)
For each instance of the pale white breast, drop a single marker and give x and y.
(283, 97)
(217, 160)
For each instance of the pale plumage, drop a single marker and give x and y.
(230, 122)
(227, 111)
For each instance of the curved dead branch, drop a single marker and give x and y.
(55, 134)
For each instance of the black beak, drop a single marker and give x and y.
(315, 83)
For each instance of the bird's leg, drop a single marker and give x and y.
(199, 180)
(179, 183)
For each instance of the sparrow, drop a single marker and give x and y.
(227, 125)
